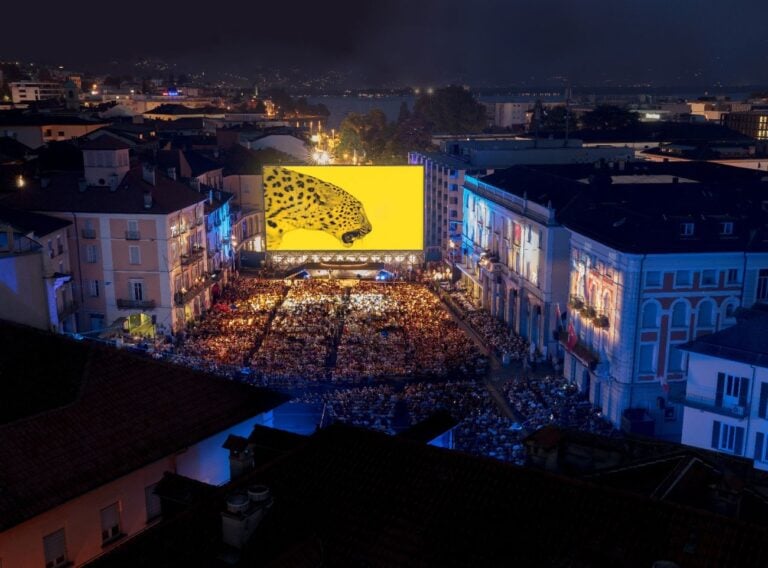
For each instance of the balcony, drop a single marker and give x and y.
(88, 233)
(708, 405)
(132, 235)
(123, 304)
(186, 296)
(192, 256)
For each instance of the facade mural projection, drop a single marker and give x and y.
(329, 208)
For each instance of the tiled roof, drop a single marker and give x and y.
(130, 411)
(63, 195)
(103, 142)
(357, 498)
(26, 221)
(745, 342)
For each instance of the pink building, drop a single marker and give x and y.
(80, 455)
(137, 240)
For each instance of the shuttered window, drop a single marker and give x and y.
(110, 522)
(55, 549)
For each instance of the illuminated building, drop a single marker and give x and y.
(35, 274)
(29, 91)
(34, 130)
(753, 124)
(137, 241)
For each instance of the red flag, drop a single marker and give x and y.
(571, 343)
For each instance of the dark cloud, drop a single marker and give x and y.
(412, 41)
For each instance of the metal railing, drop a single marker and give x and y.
(707, 404)
(124, 304)
(132, 235)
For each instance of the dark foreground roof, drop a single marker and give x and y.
(350, 497)
(97, 413)
(745, 342)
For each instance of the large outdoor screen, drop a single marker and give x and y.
(343, 208)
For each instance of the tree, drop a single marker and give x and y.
(452, 110)
(350, 135)
(609, 117)
(404, 114)
(410, 135)
(554, 120)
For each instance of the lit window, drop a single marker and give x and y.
(686, 229)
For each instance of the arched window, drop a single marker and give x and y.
(650, 316)
(730, 309)
(606, 305)
(680, 314)
(706, 318)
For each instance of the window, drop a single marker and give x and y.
(647, 365)
(727, 438)
(731, 391)
(760, 447)
(50, 249)
(137, 290)
(686, 229)
(682, 278)
(93, 288)
(733, 276)
(59, 245)
(709, 277)
(726, 228)
(91, 255)
(55, 549)
(676, 360)
(650, 316)
(679, 314)
(653, 279)
(730, 310)
(705, 314)
(4, 241)
(762, 408)
(133, 230)
(110, 523)
(152, 501)
(762, 285)
(61, 133)
(134, 256)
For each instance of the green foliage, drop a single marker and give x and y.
(554, 120)
(451, 110)
(609, 117)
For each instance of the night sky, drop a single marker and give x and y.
(411, 41)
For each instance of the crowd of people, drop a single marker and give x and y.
(553, 400)
(401, 329)
(494, 332)
(383, 356)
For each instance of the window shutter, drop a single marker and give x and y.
(720, 387)
(761, 411)
(54, 547)
(743, 390)
(759, 438)
(716, 434)
(739, 446)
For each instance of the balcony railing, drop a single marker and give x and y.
(132, 235)
(187, 296)
(709, 405)
(193, 255)
(88, 233)
(123, 304)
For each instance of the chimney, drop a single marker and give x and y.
(172, 173)
(147, 200)
(82, 185)
(148, 173)
(113, 181)
(243, 514)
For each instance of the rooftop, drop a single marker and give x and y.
(62, 194)
(744, 342)
(28, 222)
(79, 415)
(349, 497)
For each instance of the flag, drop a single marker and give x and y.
(571, 343)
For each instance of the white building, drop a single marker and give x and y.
(514, 251)
(726, 405)
(29, 91)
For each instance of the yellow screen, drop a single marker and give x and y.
(344, 208)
